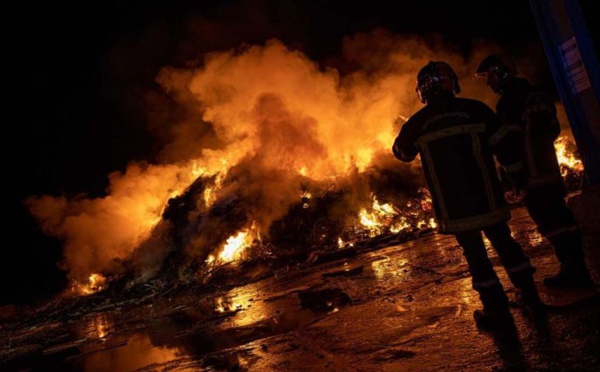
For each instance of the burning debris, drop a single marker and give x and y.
(321, 222)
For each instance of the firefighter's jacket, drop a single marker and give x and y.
(531, 114)
(456, 139)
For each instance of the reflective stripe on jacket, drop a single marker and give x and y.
(457, 139)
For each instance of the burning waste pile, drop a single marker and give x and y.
(271, 161)
(213, 230)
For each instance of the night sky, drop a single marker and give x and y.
(81, 70)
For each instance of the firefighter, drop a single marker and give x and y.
(529, 113)
(457, 139)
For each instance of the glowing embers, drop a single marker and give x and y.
(306, 196)
(95, 283)
(381, 218)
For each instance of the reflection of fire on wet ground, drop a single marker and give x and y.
(160, 332)
(381, 306)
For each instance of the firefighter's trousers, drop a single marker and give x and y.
(555, 221)
(484, 279)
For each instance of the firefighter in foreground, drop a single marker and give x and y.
(457, 139)
(530, 114)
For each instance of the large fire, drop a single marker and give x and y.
(271, 153)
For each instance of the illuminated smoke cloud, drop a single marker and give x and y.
(261, 116)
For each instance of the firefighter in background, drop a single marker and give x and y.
(457, 139)
(531, 115)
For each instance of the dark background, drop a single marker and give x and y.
(77, 69)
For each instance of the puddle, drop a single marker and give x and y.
(185, 333)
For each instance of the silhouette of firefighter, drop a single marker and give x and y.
(457, 140)
(528, 112)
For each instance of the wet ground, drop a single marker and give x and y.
(406, 307)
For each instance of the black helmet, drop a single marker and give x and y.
(498, 69)
(435, 77)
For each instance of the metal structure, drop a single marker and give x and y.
(576, 71)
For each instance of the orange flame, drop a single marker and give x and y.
(382, 217)
(236, 245)
(378, 218)
(95, 283)
(566, 156)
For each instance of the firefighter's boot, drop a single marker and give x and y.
(573, 271)
(570, 277)
(495, 313)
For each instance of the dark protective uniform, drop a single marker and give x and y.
(531, 114)
(457, 139)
